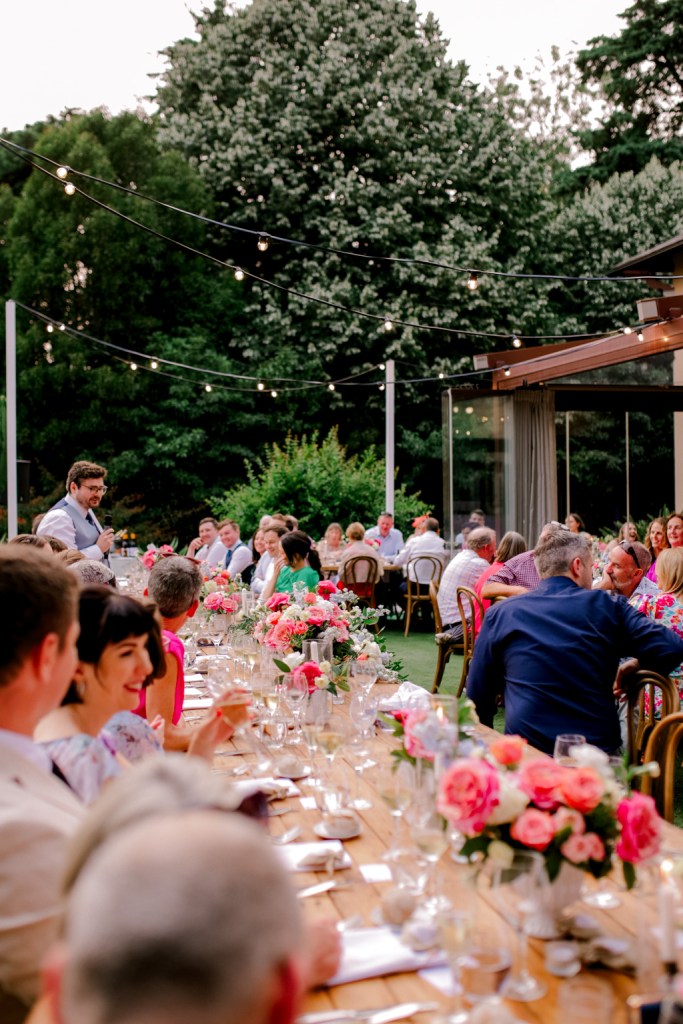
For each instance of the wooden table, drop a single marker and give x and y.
(635, 917)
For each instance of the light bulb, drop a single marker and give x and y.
(441, 376)
(382, 366)
(62, 327)
(50, 328)
(62, 172)
(506, 371)
(239, 274)
(330, 387)
(273, 394)
(640, 336)
(469, 409)
(472, 282)
(133, 366)
(628, 330)
(262, 243)
(388, 325)
(516, 342)
(381, 387)
(208, 388)
(260, 386)
(154, 364)
(69, 188)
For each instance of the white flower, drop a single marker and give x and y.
(324, 666)
(322, 682)
(294, 659)
(210, 587)
(587, 756)
(511, 803)
(500, 853)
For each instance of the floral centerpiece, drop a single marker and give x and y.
(579, 815)
(425, 732)
(153, 554)
(220, 594)
(324, 676)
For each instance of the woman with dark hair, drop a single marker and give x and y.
(299, 564)
(655, 542)
(575, 524)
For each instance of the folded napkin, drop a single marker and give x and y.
(314, 856)
(195, 677)
(195, 703)
(275, 788)
(407, 695)
(371, 952)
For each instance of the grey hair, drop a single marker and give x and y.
(90, 571)
(643, 556)
(479, 538)
(183, 917)
(556, 550)
(174, 583)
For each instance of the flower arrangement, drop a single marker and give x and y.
(153, 554)
(219, 593)
(426, 732)
(581, 815)
(323, 676)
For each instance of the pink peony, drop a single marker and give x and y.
(581, 848)
(468, 793)
(148, 559)
(541, 779)
(582, 789)
(316, 617)
(641, 828)
(534, 829)
(411, 742)
(325, 588)
(508, 750)
(565, 817)
(277, 601)
(213, 601)
(310, 671)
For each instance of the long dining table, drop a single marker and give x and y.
(634, 920)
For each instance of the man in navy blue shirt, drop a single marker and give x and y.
(554, 652)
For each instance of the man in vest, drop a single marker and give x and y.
(72, 519)
(238, 557)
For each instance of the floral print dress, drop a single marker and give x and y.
(666, 609)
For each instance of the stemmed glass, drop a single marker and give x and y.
(563, 748)
(295, 689)
(394, 784)
(362, 715)
(518, 889)
(364, 673)
(330, 738)
(454, 931)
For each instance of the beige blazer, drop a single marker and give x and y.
(38, 816)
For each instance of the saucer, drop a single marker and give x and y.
(326, 831)
(302, 772)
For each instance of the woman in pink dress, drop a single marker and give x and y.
(512, 544)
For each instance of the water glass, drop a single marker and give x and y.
(563, 745)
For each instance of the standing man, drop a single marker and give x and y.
(390, 539)
(207, 547)
(238, 557)
(72, 519)
(38, 812)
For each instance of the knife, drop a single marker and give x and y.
(379, 1016)
(315, 890)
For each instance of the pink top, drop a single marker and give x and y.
(494, 567)
(173, 645)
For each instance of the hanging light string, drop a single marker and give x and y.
(265, 237)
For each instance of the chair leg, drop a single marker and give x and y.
(409, 608)
(442, 658)
(463, 675)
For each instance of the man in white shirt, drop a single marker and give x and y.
(72, 519)
(238, 557)
(427, 543)
(464, 571)
(38, 812)
(207, 547)
(390, 539)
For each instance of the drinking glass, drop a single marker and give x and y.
(431, 839)
(563, 745)
(295, 690)
(364, 673)
(394, 785)
(331, 737)
(362, 716)
(518, 889)
(454, 931)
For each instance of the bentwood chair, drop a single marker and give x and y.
(468, 603)
(662, 747)
(430, 568)
(446, 647)
(640, 720)
(360, 576)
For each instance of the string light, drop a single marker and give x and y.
(516, 342)
(381, 387)
(441, 376)
(640, 336)
(208, 388)
(154, 364)
(382, 367)
(62, 172)
(330, 387)
(260, 385)
(239, 274)
(506, 371)
(69, 188)
(262, 244)
(50, 328)
(273, 394)
(628, 330)
(472, 282)
(388, 325)
(62, 327)
(133, 366)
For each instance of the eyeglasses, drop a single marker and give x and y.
(628, 548)
(95, 489)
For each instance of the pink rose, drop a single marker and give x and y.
(468, 793)
(508, 750)
(641, 828)
(412, 743)
(534, 829)
(166, 549)
(310, 671)
(316, 617)
(325, 588)
(277, 601)
(582, 789)
(148, 559)
(565, 817)
(310, 598)
(581, 848)
(213, 601)
(541, 779)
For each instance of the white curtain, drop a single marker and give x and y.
(535, 464)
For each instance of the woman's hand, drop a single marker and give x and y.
(212, 732)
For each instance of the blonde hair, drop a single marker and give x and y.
(670, 570)
(355, 531)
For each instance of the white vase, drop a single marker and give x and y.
(557, 896)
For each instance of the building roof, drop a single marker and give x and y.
(658, 260)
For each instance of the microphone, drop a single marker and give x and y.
(107, 520)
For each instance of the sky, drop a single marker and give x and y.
(100, 54)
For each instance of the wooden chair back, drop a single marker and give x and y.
(468, 602)
(640, 715)
(662, 747)
(361, 566)
(414, 593)
(434, 598)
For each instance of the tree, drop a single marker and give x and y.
(640, 72)
(346, 127)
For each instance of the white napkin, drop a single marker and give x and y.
(195, 677)
(408, 694)
(371, 952)
(294, 853)
(195, 703)
(283, 787)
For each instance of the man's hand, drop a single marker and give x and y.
(105, 540)
(606, 582)
(194, 546)
(625, 669)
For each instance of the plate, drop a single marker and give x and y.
(325, 831)
(300, 773)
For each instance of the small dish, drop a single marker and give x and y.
(300, 772)
(327, 830)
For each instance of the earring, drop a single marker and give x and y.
(80, 690)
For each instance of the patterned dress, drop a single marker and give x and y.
(669, 611)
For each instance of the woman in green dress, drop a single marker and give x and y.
(299, 564)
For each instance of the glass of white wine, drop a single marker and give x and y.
(331, 737)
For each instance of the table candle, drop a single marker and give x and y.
(666, 904)
(244, 601)
(314, 652)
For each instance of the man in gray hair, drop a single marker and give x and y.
(554, 652)
(190, 917)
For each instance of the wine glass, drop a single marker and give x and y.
(331, 737)
(454, 929)
(518, 889)
(364, 672)
(295, 691)
(563, 746)
(394, 784)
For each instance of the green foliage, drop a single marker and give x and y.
(320, 483)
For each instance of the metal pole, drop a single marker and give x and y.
(451, 512)
(628, 467)
(566, 459)
(11, 406)
(390, 388)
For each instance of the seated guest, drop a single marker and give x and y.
(34, 541)
(88, 572)
(575, 523)
(272, 532)
(238, 557)
(655, 542)
(207, 547)
(428, 542)
(38, 811)
(463, 571)
(674, 530)
(331, 547)
(625, 573)
(627, 531)
(357, 548)
(554, 652)
(190, 917)
(667, 606)
(511, 545)
(519, 574)
(390, 540)
(299, 564)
